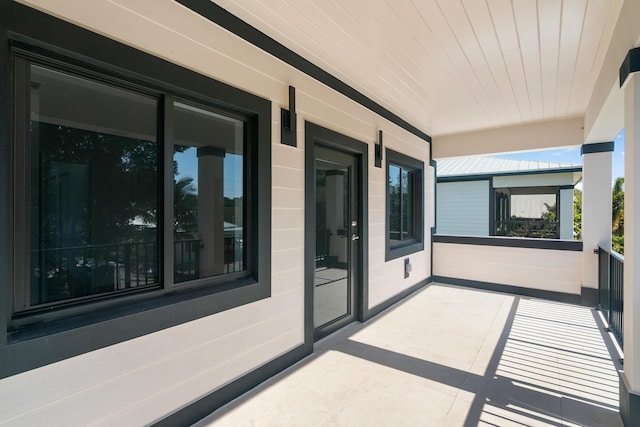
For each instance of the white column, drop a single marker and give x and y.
(566, 213)
(596, 211)
(211, 210)
(631, 232)
(335, 214)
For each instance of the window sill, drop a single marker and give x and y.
(404, 249)
(511, 242)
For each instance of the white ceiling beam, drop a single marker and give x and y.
(527, 137)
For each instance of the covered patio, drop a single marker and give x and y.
(448, 356)
(302, 113)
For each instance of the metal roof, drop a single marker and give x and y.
(493, 166)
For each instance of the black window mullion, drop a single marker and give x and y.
(21, 213)
(166, 189)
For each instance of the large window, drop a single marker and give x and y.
(526, 212)
(405, 221)
(127, 189)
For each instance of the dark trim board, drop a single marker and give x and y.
(485, 176)
(512, 242)
(589, 297)
(206, 405)
(225, 19)
(631, 64)
(629, 403)
(510, 289)
(373, 312)
(599, 147)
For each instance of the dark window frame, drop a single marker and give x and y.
(34, 340)
(393, 251)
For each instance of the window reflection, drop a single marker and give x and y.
(527, 212)
(208, 194)
(93, 187)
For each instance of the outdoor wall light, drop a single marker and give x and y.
(288, 120)
(378, 152)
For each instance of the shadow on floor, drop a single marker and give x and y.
(546, 364)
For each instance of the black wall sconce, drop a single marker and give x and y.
(378, 153)
(288, 120)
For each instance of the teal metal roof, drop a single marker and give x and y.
(496, 166)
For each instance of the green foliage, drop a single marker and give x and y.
(617, 215)
(617, 244)
(185, 205)
(113, 181)
(577, 214)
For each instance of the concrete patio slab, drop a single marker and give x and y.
(446, 356)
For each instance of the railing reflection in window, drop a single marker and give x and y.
(78, 271)
(527, 227)
(187, 257)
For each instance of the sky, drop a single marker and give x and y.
(233, 168)
(572, 155)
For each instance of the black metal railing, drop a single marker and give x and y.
(76, 271)
(534, 228)
(186, 259)
(611, 287)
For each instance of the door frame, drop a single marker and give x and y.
(316, 135)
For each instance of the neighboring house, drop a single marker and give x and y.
(486, 196)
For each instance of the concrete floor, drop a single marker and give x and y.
(447, 356)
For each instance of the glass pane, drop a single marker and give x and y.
(407, 205)
(209, 194)
(526, 213)
(395, 199)
(332, 243)
(94, 195)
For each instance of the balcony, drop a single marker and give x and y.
(448, 356)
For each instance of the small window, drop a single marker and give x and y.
(527, 212)
(405, 213)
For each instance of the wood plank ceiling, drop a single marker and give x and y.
(450, 66)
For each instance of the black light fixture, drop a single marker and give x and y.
(288, 120)
(378, 152)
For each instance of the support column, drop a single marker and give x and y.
(211, 210)
(565, 207)
(596, 213)
(630, 381)
(336, 215)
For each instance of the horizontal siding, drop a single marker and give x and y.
(542, 269)
(463, 208)
(142, 380)
(534, 180)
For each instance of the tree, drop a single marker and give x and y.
(186, 205)
(617, 215)
(577, 214)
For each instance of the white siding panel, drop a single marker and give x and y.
(463, 208)
(543, 269)
(533, 180)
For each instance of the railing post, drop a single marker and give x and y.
(127, 266)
